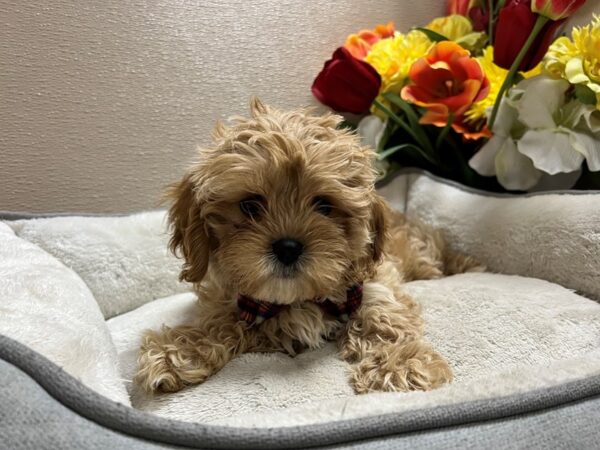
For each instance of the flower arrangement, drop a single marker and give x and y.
(488, 95)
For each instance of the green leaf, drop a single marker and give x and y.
(432, 35)
(344, 124)
(474, 42)
(518, 78)
(440, 139)
(413, 119)
(390, 129)
(395, 99)
(585, 95)
(390, 151)
(499, 6)
(396, 119)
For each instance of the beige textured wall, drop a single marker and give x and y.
(103, 102)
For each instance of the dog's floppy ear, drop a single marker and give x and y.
(379, 226)
(189, 236)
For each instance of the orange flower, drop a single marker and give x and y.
(359, 45)
(446, 81)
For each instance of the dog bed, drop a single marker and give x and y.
(76, 292)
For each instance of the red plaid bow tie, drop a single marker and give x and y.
(254, 311)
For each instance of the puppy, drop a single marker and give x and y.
(288, 245)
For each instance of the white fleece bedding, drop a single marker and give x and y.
(553, 236)
(502, 334)
(46, 306)
(123, 260)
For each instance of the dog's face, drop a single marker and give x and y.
(282, 208)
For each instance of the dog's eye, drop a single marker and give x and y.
(252, 206)
(322, 205)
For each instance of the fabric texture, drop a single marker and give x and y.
(253, 311)
(123, 260)
(562, 417)
(251, 383)
(501, 334)
(45, 305)
(553, 236)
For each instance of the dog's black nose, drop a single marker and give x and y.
(287, 250)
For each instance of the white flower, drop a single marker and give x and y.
(500, 156)
(536, 133)
(370, 129)
(559, 136)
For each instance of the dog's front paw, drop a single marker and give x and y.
(400, 367)
(175, 358)
(156, 370)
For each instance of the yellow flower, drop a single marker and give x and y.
(496, 75)
(458, 29)
(577, 60)
(453, 27)
(393, 57)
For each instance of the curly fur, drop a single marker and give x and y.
(288, 159)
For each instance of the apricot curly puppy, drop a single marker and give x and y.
(288, 245)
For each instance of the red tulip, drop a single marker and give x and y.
(461, 7)
(514, 25)
(556, 9)
(347, 84)
(479, 18)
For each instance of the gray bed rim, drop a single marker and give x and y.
(85, 402)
